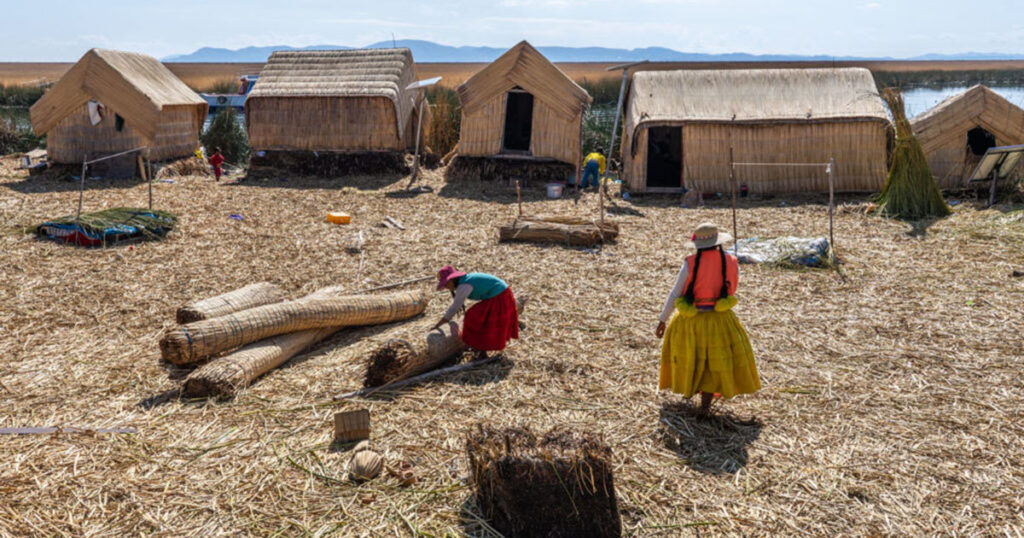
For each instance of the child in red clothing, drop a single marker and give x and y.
(216, 160)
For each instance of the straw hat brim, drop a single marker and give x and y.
(723, 238)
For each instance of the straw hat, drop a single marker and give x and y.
(445, 274)
(707, 236)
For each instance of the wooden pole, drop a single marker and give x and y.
(81, 186)
(416, 379)
(992, 190)
(831, 206)
(419, 131)
(618, 110)
(732, 186)
(519, 198)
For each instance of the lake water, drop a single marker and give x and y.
(918, 100)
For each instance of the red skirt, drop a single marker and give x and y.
(491, 323)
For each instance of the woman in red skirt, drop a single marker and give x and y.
(489, 324)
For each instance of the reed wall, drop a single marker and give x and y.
(858, 147)
(554, 135)
(323, 123)
(177, 135)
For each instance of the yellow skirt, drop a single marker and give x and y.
(709, 353)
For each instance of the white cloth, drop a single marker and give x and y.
(95, 112)
(677, 290)
(462, 292)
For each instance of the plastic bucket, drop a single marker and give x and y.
(555, 190)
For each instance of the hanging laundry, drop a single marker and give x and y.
(95, 112)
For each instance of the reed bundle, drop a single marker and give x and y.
(327, 163)
(204, 339)
(420, 351)
(561, 230)
(225, 376)
(910, 191)
(251, 296)
(560, 484)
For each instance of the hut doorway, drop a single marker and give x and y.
(665, 157)
(980, 140)
(518, 121)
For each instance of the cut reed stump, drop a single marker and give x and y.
(558, 485)
(251, 296)
(421, 351)
(559, 230)
(197, 341)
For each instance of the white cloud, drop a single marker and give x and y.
(872, 5)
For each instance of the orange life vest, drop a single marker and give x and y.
(708, 288)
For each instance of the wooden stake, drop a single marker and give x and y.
(519, 197)
(831, 206)
(732, 185)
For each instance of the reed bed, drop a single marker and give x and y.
(892, 397)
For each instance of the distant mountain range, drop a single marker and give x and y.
(427, 51)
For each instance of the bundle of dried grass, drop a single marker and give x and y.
(910, 191)
(186, 166)
(402, 358)
(326, 163)
(251, 296)
(558, 485)
(488, 168)
(204, 339)
(561, 230)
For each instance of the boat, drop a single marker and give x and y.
(217, 101)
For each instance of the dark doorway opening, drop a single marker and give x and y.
(979, 141)
(665, 157)
(518, 121)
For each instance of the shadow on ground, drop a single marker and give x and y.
(359, 182)
(715, 444)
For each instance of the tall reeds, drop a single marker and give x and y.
(910, 191)
(446, 118)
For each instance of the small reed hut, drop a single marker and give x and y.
(338, 102)
(958, 131)
(112, 101)
(679, 126)
(522, 109)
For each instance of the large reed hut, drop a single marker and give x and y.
(958, 131)
(112, 101)
(679, 126)
(521, 108)
(328, 106)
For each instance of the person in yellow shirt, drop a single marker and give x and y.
(593, 165)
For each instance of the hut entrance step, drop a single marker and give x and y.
(665, 157)
(518, 121)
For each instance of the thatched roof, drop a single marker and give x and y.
(526, 67)
(137, 87)
(340, 73)
(753, 96)
(977, 107)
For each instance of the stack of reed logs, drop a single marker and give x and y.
(572, 231)
(238, 336)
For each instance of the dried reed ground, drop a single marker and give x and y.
(892, 400)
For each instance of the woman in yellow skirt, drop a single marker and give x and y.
(705, 348)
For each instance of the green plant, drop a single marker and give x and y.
(227, 85)
(910, 191)
(604, 91)
(20, 95)
(225, 132)
(17, 139)
(446, 118)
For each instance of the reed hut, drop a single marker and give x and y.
(958, 131)
(113, 101)
(329, 105)
(521, 109)
(679, 126)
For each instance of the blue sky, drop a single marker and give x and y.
(62, 30)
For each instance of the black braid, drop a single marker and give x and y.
(725, 282)
(688, 296)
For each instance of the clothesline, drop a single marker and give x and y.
(780, 164)
(114, 155)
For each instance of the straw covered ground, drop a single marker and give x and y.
(892, 401)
